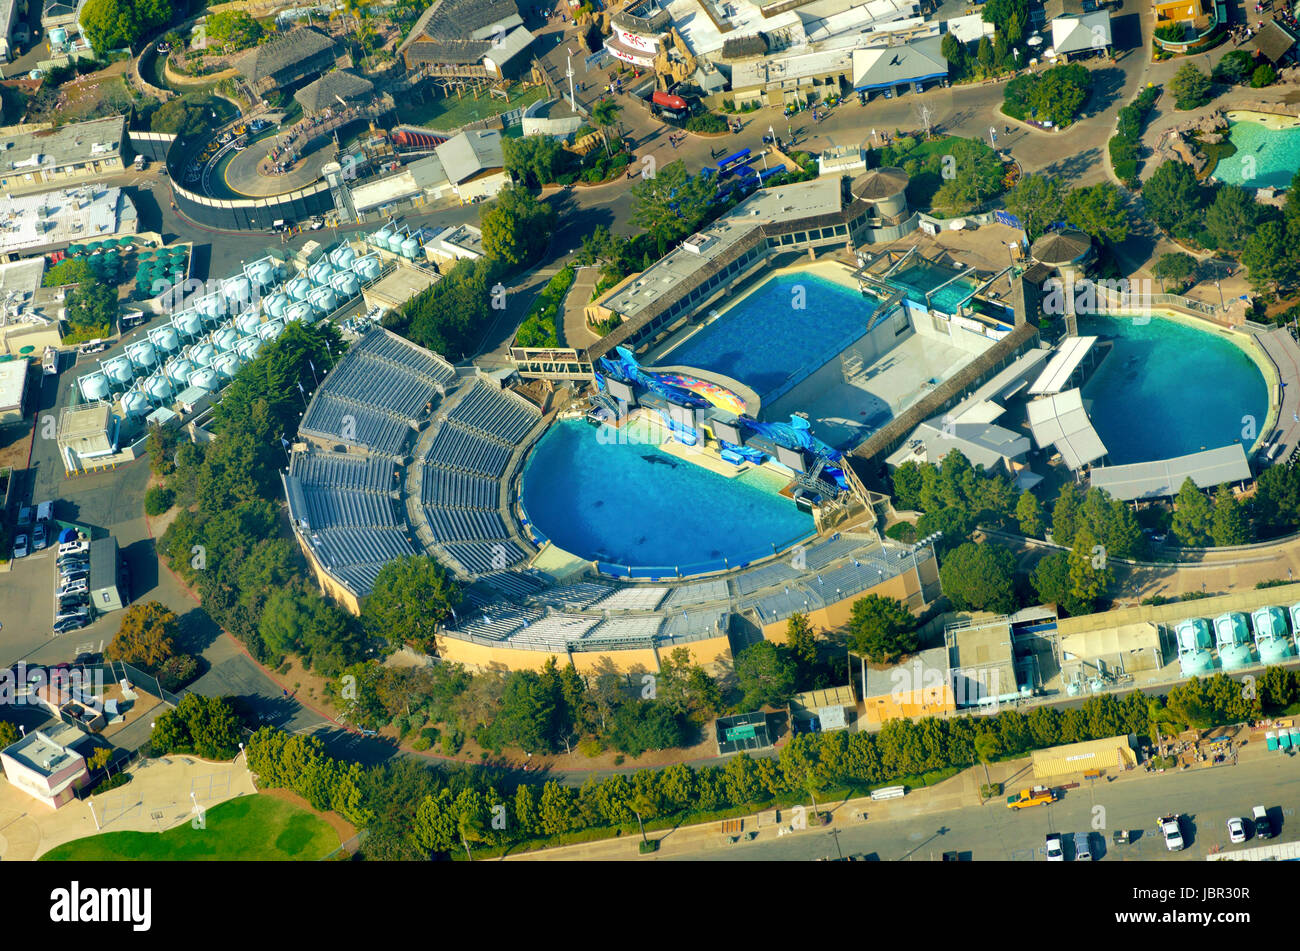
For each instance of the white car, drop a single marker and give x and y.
(1053, 848)
(1236, 830)
(1173, 834)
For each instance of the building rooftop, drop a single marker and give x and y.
(47, 751)
(401, 285)
(1163, 478)
(89, 212)
(880, 183)
(84, 422)
(1075, 33)
(1061, 420)
(462, 20)
(334, 85)
(928, 668)
(470, 153)
(1274, 40)
(103, 563)
(894, 65)
(13, 382)
(299, 44)
(73, 144)
(1061, 247)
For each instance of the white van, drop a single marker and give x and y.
(45, 512)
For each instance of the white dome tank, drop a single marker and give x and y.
(239, 291)
(263, 272)
(366, 268)
(301, 310)
(225, 339)
(189, 323)
(165, 338)
(270, 330)
(276, 303)
(323, 299)
(94, 386)
(212, 307)
(158, 388)
(343, 256)
(227, 365)
(395, 241)
(202, 355)
(380, 238)
(320, 272)
(205, 379)
(410, 248)
(179, 372)
(143, 354)
(346, 284)
(119, 370)
(248, 347)
(299, 287)
(135, 404)
(247, 323)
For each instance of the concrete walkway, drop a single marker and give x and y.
(574, 331)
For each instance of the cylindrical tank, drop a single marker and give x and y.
(247, 323)
(227, 365)
(225, 339)
(238, 291)
(119, 370)
(276, 303)
(343, 256)
(135, 403)
(179, 372)
(158, 388)
(165, 338)
(380, 238)
(202, 355)
(205, 378)
(345, 284)
(301, 310)
(299, 287)
(143, 354)
(189, 323)
(395, 241)
(248, 347)
(94, 386)
(410, 248)
(366, 268)
(270, 330)
(212, 307)
(323, 299)
(263, 272)
(320, 272)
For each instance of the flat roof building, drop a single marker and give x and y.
(1102, 654)
(395, 289)
(73, 151)
(86, 432)
(105, 592)
(13, 391)
(1164, 477)
(46, 765)
(981, 655)
(45, 221)
(824, 710)
(1113, 753)
(917, 686)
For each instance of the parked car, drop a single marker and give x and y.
(1082, 853)
(72, 548)
(69, 561)
(70, 624)
(1053, 848)
(20, 546)
(1263, 824)
(74, 587)
(1173, 834)
(39, 537)
(67, 578)
(1236, 830)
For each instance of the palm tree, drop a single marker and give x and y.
(987, 746)
(605, 115)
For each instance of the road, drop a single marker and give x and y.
(1206, 799)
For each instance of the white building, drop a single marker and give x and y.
(46, 221)
(45, 764)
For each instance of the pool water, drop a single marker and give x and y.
(1275, 154)
(920, 279)
(631, 503)
(764, 341)
(1168, 389)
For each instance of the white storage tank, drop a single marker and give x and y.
(143, 354)
(395, 241)
(247, 323)
(165, 338)
(346, 284)
(410, 248)
(323, 299)
(276, 303)
(270, 330)
(212, 307)
(320, 272)
(202, 355)
(380, 238)
(225, 339)
(158, 388)
(366, 268)
(119, 370)
(179, 372)
(238, 291)
(343, 256)
(205, 379)
(301, 310)
(189, 323)
(227, 365)
(248, 347)
(135, 404)
(263, 272)
(299, 287)
(94, 386)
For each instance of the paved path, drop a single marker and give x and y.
(575, 332)
(1282, 349)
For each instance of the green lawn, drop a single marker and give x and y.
(449, 113)
(248, 828)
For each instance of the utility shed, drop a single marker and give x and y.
(105, 594)
(1110, 753)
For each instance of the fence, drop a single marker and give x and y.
(350, 846)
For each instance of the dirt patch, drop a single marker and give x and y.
(15, 446)
(336, 822)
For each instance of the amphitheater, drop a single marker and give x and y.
(400, 452)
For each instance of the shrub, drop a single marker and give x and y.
(177, 672)
(590, 747)
(902, 532)
(420, 744)
(452, 742)
(706, 122)
(158, 500)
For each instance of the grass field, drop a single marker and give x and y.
(448, 113)
(248, 828)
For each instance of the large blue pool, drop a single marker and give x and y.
(633, 504)
(1168, 389)
(1264, 156)
(764, 341)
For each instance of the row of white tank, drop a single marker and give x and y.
(185, 353)
(397, 241)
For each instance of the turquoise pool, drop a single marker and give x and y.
(920, 279)
(1275, 154)
(629, 503)
(768, 344)
(1169, 389)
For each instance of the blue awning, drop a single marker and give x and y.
(903, 82)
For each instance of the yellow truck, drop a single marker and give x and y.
(1038, 796)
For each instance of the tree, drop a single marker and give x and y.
(1234, 68)
(1029, 514)
(113, 24)
(1089, 574)
(1065, 515)
(516, 226)
(185, 116)
(954, 51)
(410, 600)
(535, 160)
(980, 578)
(146, 637)
(1060, 93)
(1176, 266)
(987, 746)
(1228, 522)
(1099, 210)
(882, 629)
(605, 116)
(1264, 75)
(1051, 579)
(766, 674)
(984, 55)
(1192, 518)
(672, 203)
(91, 305)
(1190, 86)
(1271, 257)
(8, 734)
(801, 640)
(907, 485)
(1172, 196)
(972, 177)
(204, 726)
(67, 271)
(1036, 200)
(1231, 217)
(233, 29)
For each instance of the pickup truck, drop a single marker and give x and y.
(1038, 796)
(1168, 825)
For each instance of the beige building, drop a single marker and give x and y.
(31, 155)
(85, 432)
(1112, 651)
(13, 391)
(1112, 754)
(919, 686)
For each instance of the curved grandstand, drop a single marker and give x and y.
(401, 452)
